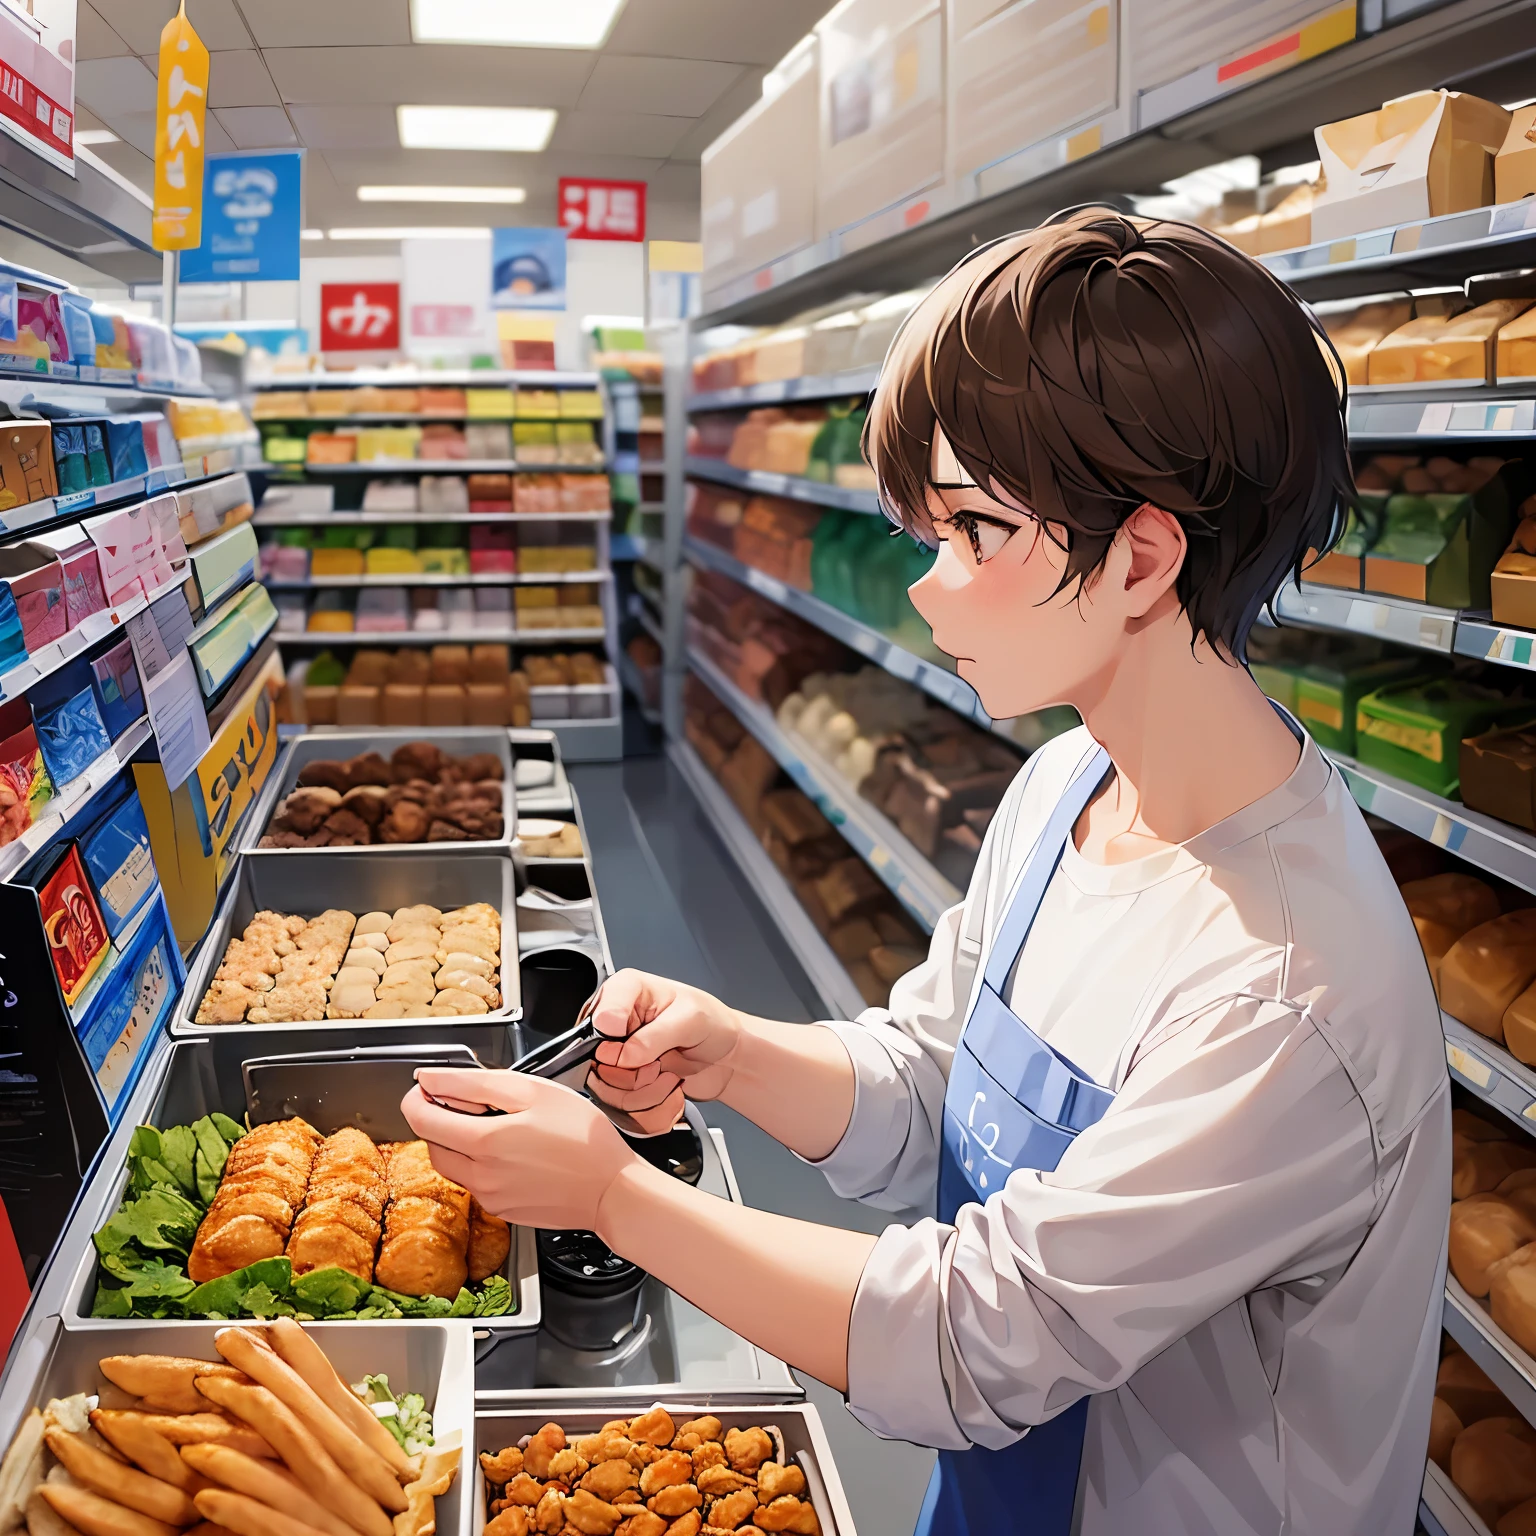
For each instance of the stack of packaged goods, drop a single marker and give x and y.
(448, 685)
(859, 918)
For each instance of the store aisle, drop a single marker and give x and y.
(675, 903)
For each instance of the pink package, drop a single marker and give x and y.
(113, 537)
(149, 557)
(159, 440)
(165, 519)
(39, 595)
(84, 593)
(39, 313)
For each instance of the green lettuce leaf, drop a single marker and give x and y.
(225, 1297)
(159, 1280)
(324, 1291)
(178, 1149)
(112, 1301)
(260, 1301)
(412, 1306)
(212, 1154)
(463, 1304)
(230, 1130)
(160, 1220)
(495, 1299)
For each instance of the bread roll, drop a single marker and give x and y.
(1486, 969)
(1444, 1426)
(1520, 1027)
(1443, 907)
(1494, 1464)
(1477, 1167)
(1464, 1387)
(1464, 1122)
(1520, 1189)
(1520, 1521)
(1484, 1230)
(1512, 1296)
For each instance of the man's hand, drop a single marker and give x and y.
(664, 1041)
(547, 1162)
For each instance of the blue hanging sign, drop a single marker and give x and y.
(253, 207)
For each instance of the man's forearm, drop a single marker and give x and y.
(786, 1285)
(795, 1081)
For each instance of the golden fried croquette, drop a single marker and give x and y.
(676, 1500)
(748, 1449)
(666, 1471)
(773, 1481)
(655, 1427)
(503, 1466)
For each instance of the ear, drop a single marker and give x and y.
(1155, 541)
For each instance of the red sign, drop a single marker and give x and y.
(359, 317)
(602, 210)
(443, 320)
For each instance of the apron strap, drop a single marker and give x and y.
(1008, 942)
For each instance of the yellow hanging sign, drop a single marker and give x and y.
(181, 107)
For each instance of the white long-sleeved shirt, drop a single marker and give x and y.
(1243, 1261)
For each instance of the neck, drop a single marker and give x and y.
(1192, 738)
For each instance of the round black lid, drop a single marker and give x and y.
(581, 1262)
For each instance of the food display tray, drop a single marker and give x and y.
(805, 1441)
(394, 878)
(432, 1358)
(209, 1074)
(340, 745)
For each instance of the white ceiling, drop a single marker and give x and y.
(328, 74)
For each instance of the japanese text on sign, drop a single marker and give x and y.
(181, 109)
(602, 210)
(359, 317)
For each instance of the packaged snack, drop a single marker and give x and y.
(125, 447)
(72, 736)
(115, 677)
(1414, 730)
(25, 788)
(36, 580)
(77, 933)
(118, 859)
(1328, 694)
(26, 463)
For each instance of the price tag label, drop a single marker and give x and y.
(1466, 1065)
(1443, 830)
(1367, 616)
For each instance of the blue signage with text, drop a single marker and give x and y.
(253, 206)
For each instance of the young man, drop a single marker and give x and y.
(1173, 1070)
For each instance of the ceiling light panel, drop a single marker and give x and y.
(404, 232)
(515, 23)
(441, 194)
(94, 136)
(522, 129)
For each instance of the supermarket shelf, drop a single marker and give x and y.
(920, 888)
(75, 794)
(1503, 414)
(49, 658)
(112, 381)
(629, 675)
(936, 681)
(1446, 43)
(428, 378)
(1485, 1068)
(407, 418)
(840, 996)
(647, 622)
(275, 519)
(1421, 254)
(811, 386)
(1512, 1370)
(450, 467)
(385, 638)
(1443, 1510)
(796, 487)
(1355, 613)
(33, 513)
(434, 579)
(1477, 635)
(1492, 845)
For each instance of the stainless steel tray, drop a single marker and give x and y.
(432, 1358)
(391, 879)
(805, 1441)
(345, 744)
(208, 1074)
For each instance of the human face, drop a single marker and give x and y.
(991, 598)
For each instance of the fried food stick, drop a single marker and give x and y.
(93, 1515)
(304, 1456)
(189, 1429)
(370, 1472)
(246, 1517)
(147, 1449)
(119, 1482)
(310, 1361)
(262, 1480)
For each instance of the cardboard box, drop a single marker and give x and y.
(1433, 348)
(358, 704)
(118, 859)
(1417, 157)
(1514, 167)
(1327, 693)
(758, 179)
(1356, 333)
(403, 704)
(1498, 776)
(1512, 590)
(1515, 350)
(1414, 730)
(446, 704)
(881, 88)
(26, 463)
(211, 508)
(1022, 73)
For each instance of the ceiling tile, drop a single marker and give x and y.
(333, 24)
(618, 133)
(140, 22)
(238, 78)
(135, 128)
(491, 77)
(94, 39)
(110, 86)
(127, 161)
(537, 173)
(720, 116)
(738, 31)
(258, 127)
(680, 87)
(216, 137)
(346, 127)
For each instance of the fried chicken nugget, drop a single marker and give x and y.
(503, 1466)
(686, 1525)
(717, 1482)
(674, 1501)
(643, 1523)
(774, 1481)
(610, 1480)
(788, 1514)
(591, 1515)
(734, 1509)
(710, 1454)
(748, 1449)
(510, 1522)
(542, 1449)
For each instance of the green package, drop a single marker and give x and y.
(1328, 693)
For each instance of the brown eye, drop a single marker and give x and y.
(985, 536)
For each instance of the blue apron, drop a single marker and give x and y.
(1013, 1102)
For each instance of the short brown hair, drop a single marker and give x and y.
(1101, 362)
